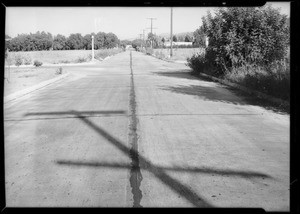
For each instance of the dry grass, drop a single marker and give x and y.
(59, 56)
(20, 78)
(179, 54)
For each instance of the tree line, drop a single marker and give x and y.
(45, 41)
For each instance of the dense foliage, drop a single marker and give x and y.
(249, 46)
(45, 41)
(240, 36)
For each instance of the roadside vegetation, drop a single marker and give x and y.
(57, 56)
(248, 46)
(44, 48)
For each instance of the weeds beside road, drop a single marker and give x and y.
(57, 56)
(19, 78)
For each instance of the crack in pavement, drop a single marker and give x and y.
(135, 172)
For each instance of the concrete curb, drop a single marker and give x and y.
(247, 90)
(23, 92)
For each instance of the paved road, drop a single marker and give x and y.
(143, 132)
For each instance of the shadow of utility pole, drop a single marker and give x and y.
(157, 171)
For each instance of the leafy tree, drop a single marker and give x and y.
(87, 41)
(124, 43)
(59, 42)
(75, 41)
(240, 36)
(137, 43)
(175, 38)
(188, 38)
(99, 40)
(199, 37)
(44, 41)
(111, 40)
(180, 38)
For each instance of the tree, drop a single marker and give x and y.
(75, 41)
(175, 38)
(99, 40)
(124, 43)
(137, 43)
(59, 42)
(240, 36)
(188, 38)
(180, 38)
(111, 40)
(199, 37)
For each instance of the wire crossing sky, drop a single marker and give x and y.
(125, 22)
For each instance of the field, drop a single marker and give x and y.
(179, 54)
(58, 56)
(19, 78)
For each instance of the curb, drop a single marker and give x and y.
(23, 92)
(247, 90)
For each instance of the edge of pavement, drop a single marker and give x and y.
(247, 90)
(25, 91)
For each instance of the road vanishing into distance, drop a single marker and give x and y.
(136, 131)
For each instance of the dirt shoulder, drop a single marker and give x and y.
(17, 79)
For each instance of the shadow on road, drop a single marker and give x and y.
(158, 171)
(203, 170)
(215, 94)
(184, 74)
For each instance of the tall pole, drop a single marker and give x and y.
(143, 37)
(151, 30)
(171, 34)
(93, 54)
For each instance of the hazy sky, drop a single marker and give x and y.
(125, 22)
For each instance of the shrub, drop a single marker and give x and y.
(18, 60)
(275, 83)
(64, 61)
(81, 59)
(27, 60)
(149, 51)
(59, 70)
(160, 54)
(239, 36)
(199, 64)
(37, 63)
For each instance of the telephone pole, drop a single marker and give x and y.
(144, 37)
(151, 30)
(141, 38)
(171, 34)
(93, 52)
(151, 23)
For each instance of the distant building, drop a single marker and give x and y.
(128, 47)
(168, 44)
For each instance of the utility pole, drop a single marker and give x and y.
(171, 38)
(151, 30)
(144, 37)
(93, 54)
(141, 38)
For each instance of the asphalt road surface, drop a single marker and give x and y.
(136, 131)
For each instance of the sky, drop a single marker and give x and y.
(125, 22)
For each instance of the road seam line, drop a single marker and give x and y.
(135, 172)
